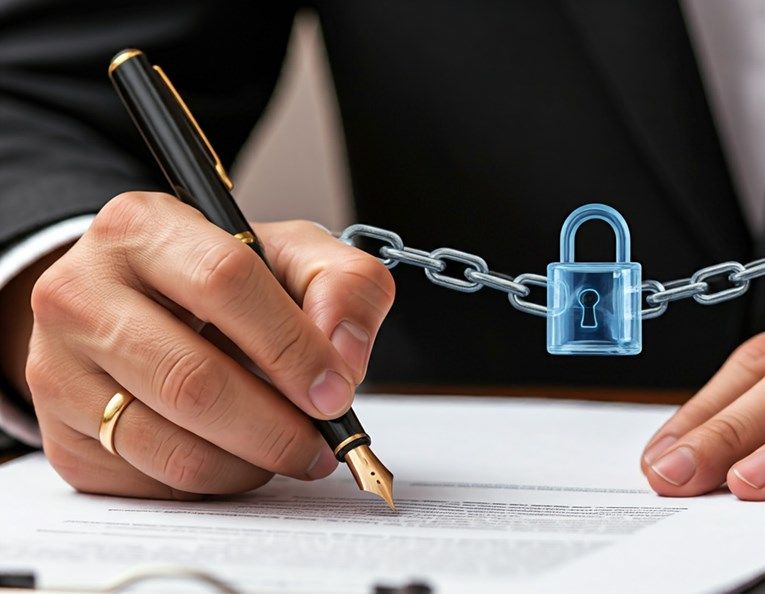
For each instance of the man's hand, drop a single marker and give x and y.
(718, 435)
(117, 310)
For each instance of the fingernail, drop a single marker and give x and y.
(352, 343)
(677, 467)
(752, 470)
(323, 465)
(657, 448)
(330, 393)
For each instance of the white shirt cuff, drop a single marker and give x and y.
(12, 261)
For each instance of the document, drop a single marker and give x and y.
(493, 495)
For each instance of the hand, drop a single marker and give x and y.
(718, 435)
(16, 321)
(116, 311)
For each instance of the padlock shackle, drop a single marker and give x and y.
(589, 212)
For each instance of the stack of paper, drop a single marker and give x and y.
(494, 495)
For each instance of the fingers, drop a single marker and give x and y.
(159, 448)
(743, 369)
(180, 459)
(89, 468)
(747, 478)
(83, 463)
(183, 378)
(344, 291)
(222, 281)
(70, 412)
(699, 461)
(151, 445)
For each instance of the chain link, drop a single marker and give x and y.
(412, 257)
(477, 275)
(653, 288)
(498, 282)
(701, 276)
(529, 279)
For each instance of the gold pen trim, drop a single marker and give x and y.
(370, 474)
(123, 57)
(245, 237)
(192, 120)
(126, 55)
(348, 440)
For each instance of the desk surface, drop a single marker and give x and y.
(598, 393)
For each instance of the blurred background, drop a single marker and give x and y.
(294, 164)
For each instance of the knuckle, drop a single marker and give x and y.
(58, 293)
(281, 448)
(58, 456)
(290, 346)
(67, 298)
(186, 465)
(53, 382)
(300, 227)
(123, 215)
(694, 412)
(66, 463)
(191, 385)
(373, 279)
(732, 431)
(39, 377)
(223, 273)
(751, 355)
(280, 242)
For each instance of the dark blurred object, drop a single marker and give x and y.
(757, 586)
(10, 448)
(6, 442)
(21, 580)
(412, 588)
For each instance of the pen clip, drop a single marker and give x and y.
(219, 169)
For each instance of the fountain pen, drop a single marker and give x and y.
(198, 177)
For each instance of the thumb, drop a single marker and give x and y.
(346, 292)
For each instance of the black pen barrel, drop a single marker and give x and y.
(176, 144)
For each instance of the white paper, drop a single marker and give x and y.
(494, 495)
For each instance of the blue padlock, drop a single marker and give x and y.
(593, 308)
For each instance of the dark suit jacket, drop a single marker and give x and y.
(477, 125)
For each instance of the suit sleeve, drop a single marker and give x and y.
(66, 144)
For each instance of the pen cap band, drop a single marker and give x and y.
(343, 434)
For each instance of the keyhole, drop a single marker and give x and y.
(588, 299)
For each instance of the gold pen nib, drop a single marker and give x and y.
(370, 474)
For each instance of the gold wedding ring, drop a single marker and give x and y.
(117, 403)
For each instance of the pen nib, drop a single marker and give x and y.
(370, 474)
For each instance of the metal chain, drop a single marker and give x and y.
(477, 275)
